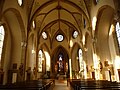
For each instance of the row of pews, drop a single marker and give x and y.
(76, 84)
(42, 84)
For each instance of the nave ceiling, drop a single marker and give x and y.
(59, 17)
(25, 25)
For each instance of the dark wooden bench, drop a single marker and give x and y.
(42, 84)
(93, 85)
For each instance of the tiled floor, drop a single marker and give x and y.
(61, 85)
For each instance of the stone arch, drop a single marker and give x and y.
(105, 17)
(60, 50)
(15, 23)
(74, 56)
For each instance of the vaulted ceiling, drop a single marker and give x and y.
(59, 16)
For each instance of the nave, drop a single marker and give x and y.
(62, 84)
(73, 39)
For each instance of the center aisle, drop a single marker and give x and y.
(61, 85)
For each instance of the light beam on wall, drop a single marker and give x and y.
(33, 51)
(117, 62)
(117, 66)
(83, 40)
(47, 61)
(85, 70)
(70, 68)
(96, 66)
(94, 22)
(111, 29)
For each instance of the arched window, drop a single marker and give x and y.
(80, 60)
(75, 34)
(44, 35)
(118, 32)
(33, 24)
(2, 34)
(40, 57)
(80, 53)
(85, 23)
(60, 64)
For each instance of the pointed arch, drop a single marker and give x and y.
(16, 37)
(19, 19)
(59, 50)
(104, 20)
(75, 54)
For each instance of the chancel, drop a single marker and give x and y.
(60, 44)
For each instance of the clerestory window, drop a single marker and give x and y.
(118, 32)
(2, 34)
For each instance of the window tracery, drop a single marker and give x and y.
(118, 32)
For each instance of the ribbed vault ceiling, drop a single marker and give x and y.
(56, 16)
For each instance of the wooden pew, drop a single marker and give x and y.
(93, 85)
(30, 85)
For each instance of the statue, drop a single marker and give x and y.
(21, 72)
(21, 68)
(34, 71)
(29, 72)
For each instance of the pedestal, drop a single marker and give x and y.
(12, 76)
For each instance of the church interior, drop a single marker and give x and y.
(73, 40)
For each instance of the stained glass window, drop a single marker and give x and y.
(2, 34)
(60, 64)
(33, 24)
(80, 60)
(118, 32)
(75, 34)
(40, 61)
(44, 35)
(60, 37)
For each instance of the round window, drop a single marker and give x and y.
(75, 34)
(59, 37)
